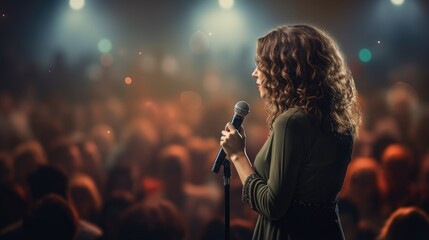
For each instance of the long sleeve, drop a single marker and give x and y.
(272, 198)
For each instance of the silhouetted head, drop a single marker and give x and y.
(406, 223)
(154, 219)
(52, 218)
(46, 180)
(26, 158)
(397, 164)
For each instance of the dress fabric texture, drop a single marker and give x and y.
(298, 174)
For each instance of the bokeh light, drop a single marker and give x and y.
(77, 4)
(365, 55)
(397, 2)
(226, 4)
(169, 65)
(211, 83)
(128, 80)
(104, 45)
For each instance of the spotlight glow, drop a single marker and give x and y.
(365, 55)
(397, 2)
(226, 4)
(104, 45)
(77, 4)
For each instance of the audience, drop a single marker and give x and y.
(6, 171)
(43, 181)
(114, 206)
(349, 216)
(112, 168)
(86, 197)
(51, 218)
(398, 173)
(363, 188)
(26, 158)
(406, 223)
(154, 219)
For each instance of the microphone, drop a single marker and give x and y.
(241, 109)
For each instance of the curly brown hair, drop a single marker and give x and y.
(304, 68)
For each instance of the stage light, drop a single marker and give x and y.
(104, 45)
(365, 55)
(77, 4)
(226, 4)
(227, 28)
(397, 2)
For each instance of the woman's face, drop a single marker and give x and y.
(260, 78)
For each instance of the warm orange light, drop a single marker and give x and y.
(128, 80)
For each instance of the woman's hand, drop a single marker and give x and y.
(234, 145)
(233, 142)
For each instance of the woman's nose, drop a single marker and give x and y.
(255, 73)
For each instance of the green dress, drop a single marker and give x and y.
(299, 172)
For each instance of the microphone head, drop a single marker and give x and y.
(241, 108)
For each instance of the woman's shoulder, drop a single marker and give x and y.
(294, 121)
(292, 115)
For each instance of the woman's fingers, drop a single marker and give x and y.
(230, 127)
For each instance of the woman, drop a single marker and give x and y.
(313, 117)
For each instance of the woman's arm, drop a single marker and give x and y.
(270, 198)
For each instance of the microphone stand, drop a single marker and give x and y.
(241, 109)
(226, 181)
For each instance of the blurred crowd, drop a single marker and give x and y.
(109, 167)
